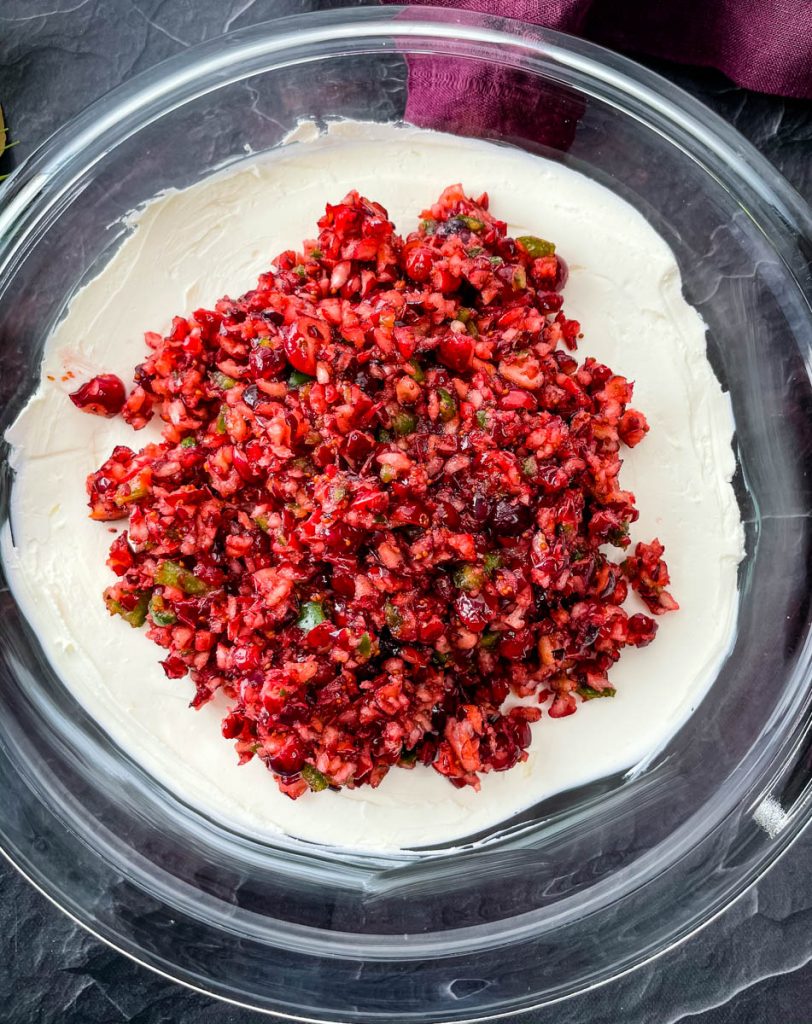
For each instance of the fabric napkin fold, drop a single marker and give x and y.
(765, 45)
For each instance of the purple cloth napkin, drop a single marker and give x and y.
(764, 45)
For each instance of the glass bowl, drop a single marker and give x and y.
(585, 886)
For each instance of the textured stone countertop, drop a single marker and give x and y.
(751, 964)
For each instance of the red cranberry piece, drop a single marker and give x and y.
(121, 557)
(446, 514)
(509, 519)
(562, 273)
(103, 395)
(358, 445)
(232, 725)
(265, 362)
(249, 470)
(319, 636)
(303, 341)
(245, 658)
(174, 667)
(550, 302)
(506, 754)
(456, 351)
(514, 646)
(563, 705)
(473, 612)
(418, 260)
(289, 758)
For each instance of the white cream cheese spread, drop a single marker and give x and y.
(186, 249)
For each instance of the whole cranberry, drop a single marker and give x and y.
(103, 395)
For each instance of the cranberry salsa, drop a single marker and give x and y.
(381, 520)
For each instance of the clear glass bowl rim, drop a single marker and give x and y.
(39, 187)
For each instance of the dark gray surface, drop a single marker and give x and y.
(751, 964)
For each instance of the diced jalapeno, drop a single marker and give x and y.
(161, 614)
(394, 620)
(387, 474)
(404, 423)
(589, 693)
(136, 616)
(188, 442)
(311, 614)
(448, 407)
(491, 561)
(364, 648)
(314, 778)
(417, 371)
(535, 246)
(488, 639)
(222, 380)
(482, 418)
(297, 379)
(468, 577)
(137, 492)
(172, 574)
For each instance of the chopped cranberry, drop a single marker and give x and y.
(289, 757)
(266, 361)
(382, 503)
(456, 351)
(103, 395)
